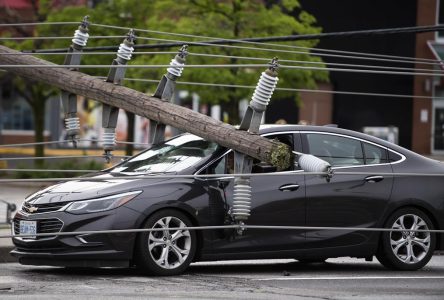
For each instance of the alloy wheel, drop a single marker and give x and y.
(168, 248)
(408, 246)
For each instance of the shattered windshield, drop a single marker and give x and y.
(174, 155)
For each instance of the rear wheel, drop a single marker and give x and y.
(407, 250)
(169, 251)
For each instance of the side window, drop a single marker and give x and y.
(337, 150)
(225, 165)
(393, 157)
(263, 167)
(374, 154)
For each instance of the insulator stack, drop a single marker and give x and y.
(72, 126)
(69, 100)
(80, 37)
(264, 90)
(110, 113)
(109, 139)
(241, 199)
(176, 68)
(251, 122)
(310, 163)
(125, 51)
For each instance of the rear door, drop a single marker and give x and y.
(346, 200)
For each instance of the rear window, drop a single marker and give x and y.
(374, 154)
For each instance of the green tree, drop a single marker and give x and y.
(231, 19)
(32, 91)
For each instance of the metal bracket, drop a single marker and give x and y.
(116, 75)
(165, 91)
(69, 100)
(243, 164)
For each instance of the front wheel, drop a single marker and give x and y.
(169, 251)
(407, 250)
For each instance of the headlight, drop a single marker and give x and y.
(101, 204)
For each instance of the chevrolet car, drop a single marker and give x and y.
(378, 195)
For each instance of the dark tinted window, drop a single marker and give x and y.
(337, 150)
(394, 157)
(226, 164)
(374, 154)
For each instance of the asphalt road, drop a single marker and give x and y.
(264, 279)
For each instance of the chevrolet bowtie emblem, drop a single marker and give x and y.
(33, 209)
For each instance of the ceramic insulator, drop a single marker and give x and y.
(80, 38)
(177, 71)
(310, 163)
(125, 51)
(109, 140)
(264, 89)
(72, 125)
(241, 200)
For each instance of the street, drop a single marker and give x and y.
(342, 278)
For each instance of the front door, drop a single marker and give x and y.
(277, 200)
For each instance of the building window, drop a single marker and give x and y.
(16, 113)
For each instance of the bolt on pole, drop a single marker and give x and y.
(165, 91)
(115, 76)
(69, 100)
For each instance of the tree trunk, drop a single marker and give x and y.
(129, 148)
(273, 152)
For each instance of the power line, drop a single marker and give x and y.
(289, 89)
(261, 40)
(138, 176)
(58, 157)
(219, 227)
(37, 24)
(262, 43)
(212, 44)
(21, 38)
(151, 46)
(244, 58)
(48, 170)
(25, 52)
(230, 66)
(65, 142)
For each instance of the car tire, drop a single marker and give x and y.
(407, 250)
(166, 252)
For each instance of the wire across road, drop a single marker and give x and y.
(234, 227)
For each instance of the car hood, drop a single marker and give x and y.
(95, 186)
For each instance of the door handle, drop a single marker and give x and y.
(289, 187)
(374, 179)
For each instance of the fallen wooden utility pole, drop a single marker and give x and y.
(270, 151)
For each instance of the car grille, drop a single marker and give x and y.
(52, 225)
(42, 208)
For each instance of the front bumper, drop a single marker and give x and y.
(92, 250)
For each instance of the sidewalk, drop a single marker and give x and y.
(6, 245)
